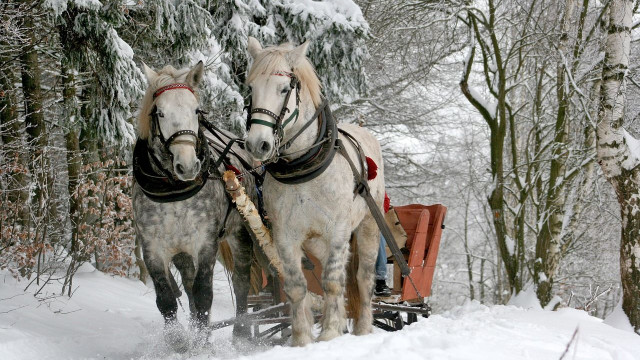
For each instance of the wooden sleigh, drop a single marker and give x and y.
(417, 229)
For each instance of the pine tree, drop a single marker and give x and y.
(336, 31)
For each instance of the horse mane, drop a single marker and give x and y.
(273, 58)
(168, 75)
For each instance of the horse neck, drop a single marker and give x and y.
(308, 136)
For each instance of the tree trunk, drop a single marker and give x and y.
(511, 250)
(36, 129)
(548, 245)
(74, 157)
(466, 247)
(17, 189)
(619, 164)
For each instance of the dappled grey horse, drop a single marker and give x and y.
(181, 211)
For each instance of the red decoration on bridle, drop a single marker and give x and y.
(172, 87)
(283, 73)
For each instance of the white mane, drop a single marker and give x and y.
(273, 58)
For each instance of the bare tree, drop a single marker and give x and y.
(619, 152)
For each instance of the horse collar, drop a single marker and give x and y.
(316, 160)
(160, 185)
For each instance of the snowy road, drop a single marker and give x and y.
(115, 318)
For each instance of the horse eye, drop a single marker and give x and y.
(197, 111)
(160, 114)
(285, 90)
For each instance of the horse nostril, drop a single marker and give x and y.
(179, 169)
(264, 147)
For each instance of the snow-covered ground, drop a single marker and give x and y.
(115, 318)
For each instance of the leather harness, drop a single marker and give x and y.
(319, 157)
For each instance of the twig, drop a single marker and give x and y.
(11, 297)
(8, 311)
(566, 350)
(65, 313)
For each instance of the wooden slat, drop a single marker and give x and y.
(423, 246)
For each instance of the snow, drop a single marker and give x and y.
(345, 13)
(59, 6)
(488, 105)
(116, 318)
(511, 245)
(633, 145)
(618, 319)
(526, 299)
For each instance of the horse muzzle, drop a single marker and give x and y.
(259, 149)
(186, 167)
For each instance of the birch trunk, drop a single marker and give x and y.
(620, 165)
(548, 244)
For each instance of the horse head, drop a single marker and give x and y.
(282, 82)
(169, 119)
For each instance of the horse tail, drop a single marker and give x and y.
(226, 256)
(255, 277)
(353, 292)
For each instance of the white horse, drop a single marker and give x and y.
(180, 216)
(317, 213)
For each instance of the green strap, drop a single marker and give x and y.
(294, 114)
(263, 122)
(272, 125)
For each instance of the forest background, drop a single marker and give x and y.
(494, 108)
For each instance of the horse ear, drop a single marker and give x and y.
(298, 54)
(195, 75)
(149, 73)
(254, 47)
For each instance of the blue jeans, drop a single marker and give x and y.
(381, 261)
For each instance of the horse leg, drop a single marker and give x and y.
(203, 284)
(184, 264)
(241, 279)
(333, 283)
(295, 287)
(368, 237)
(165, 300)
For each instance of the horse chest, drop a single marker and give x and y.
(175, 227)
(317, 203)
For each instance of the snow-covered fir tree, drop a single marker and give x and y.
(112, 81)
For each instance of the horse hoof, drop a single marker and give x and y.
(328, 335)
(176, 337)
(362, 330)
(300, 341)
(241, 331)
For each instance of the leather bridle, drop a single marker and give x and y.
(156, 130)
(280, 122)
